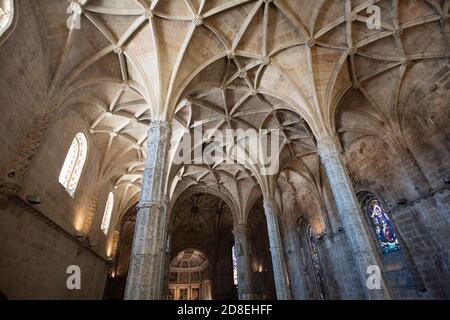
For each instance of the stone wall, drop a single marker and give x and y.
(422, 226)
(38, 242)
(421, 217)
(36, 253)
(24, 80)
(32, 247)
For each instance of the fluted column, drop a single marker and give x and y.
(276, 250)
(349, 212)
(244, 262)
(146, 271)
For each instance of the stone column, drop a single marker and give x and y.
(146, 271)
(345, 284)
(276, 250)
(294, 262)
(350, 214)
(167, 261)
(244, 262)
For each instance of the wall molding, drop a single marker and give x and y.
(81, 242)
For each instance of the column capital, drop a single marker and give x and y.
(241, 228)
(167, 200)
(161, 129)
(268, 205)
(149, 204)
(328, 145)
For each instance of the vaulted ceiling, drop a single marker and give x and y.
(237, 64)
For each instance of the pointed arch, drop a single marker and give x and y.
(382, 225)
(108, 213)
(6, 15)
(72, 169)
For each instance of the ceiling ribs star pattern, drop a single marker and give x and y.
(233, 64)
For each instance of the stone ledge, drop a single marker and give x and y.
(55, 226)
(427, 196)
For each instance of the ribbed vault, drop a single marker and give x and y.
(294, 66)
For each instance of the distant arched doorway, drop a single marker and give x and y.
(202, 222)
(190, 276)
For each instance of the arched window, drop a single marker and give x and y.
(6, 15)
(107, 214)
(73, 165)
(383, 227)
(316, 264)
(235, 270)
(399, 269)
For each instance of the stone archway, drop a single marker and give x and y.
(190, 276)
(202, 220)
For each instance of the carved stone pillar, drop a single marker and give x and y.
(349, 212)
(244, 262)
(146, 271)
(294, 261)
(276, 250)
(167, 261)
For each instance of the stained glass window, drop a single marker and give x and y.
(235, 269)
(73, 165)
(317, 265)
(107, 215)
(383, 227)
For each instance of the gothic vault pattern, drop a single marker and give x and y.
(309, 69)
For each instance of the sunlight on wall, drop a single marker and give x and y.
(109, 248)
(79, 221)
(318, 228)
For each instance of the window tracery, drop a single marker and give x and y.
(73, 165)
